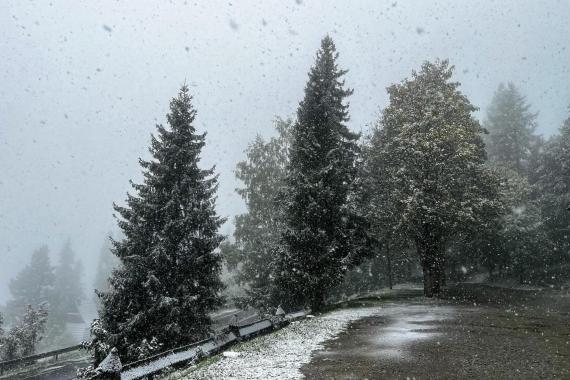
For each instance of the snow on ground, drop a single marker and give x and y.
(279, 355)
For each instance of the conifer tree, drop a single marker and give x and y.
(552, 191)
(105, 265)
(68, 291)
(168, 281)
(511, 128)
(258, 232)
(33, 285)
(513, 243)
(1, 332)
(318, 238)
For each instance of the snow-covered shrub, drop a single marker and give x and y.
(24, 336)
(147, 348)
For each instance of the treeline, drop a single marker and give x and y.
(45, 299)
(324, 205)
(528, 242)
(502, 209)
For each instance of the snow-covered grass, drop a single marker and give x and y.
(279, 355)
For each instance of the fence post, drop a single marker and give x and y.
(110, 368)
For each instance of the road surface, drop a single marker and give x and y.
(426, 339)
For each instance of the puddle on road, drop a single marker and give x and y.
(406, 325)
(389, 334)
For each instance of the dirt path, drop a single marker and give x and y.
(439, 340)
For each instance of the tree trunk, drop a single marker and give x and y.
(433, 265)
(389, 265)
(318, 302)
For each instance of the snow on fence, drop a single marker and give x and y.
(252, 329)
(5, 365)
(148, 367)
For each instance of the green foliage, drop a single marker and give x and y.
(552, 191)
(258, 232)
(68, 291)
(168, 281)
(511, 129)
(26, 333)
(105, 265)
(97, 347)
(33, 285)
(321, 234)
(57, 289)
(430, 156)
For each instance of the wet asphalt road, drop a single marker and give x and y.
(428, 339)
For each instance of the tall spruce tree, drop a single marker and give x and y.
(33, 285)
(168, 281)
(68, 291)
(433, 160)
(319, 225)
(511, 128)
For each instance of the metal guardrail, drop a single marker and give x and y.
(253, 328)
(220, 321)
(32, 358)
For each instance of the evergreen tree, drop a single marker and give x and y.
(381, 212)
(168, 281)
(97, 347)
(1, 330)
(105, 265)
(258, 232)
(319, 243)
(552, 191)
(68, 291)
(511, 128)
(433, 162)
(33, 285)
(513, 243)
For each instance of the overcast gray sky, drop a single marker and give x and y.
(83, 83)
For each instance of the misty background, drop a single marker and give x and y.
(83, 85)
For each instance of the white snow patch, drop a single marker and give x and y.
(230, 354)
(279, 355)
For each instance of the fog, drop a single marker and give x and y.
(84, 83)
